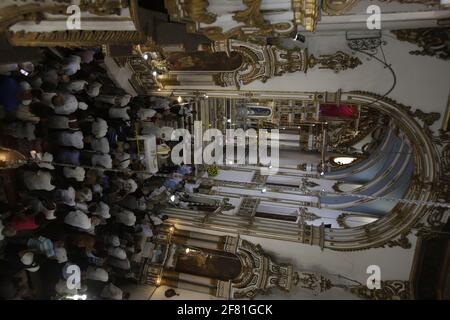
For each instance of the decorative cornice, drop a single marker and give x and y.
(74, 38)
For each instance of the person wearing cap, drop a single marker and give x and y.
(71, 139)
(38, 180)
(77, 173)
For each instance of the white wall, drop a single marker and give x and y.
(395, 264)
(422, 81)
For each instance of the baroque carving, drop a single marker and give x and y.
(74, 38)
(390, 290)
(103, 7)
(261, 62)
(338, 61)
(432, 41)
(260, 274)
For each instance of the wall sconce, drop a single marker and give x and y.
(11, 159)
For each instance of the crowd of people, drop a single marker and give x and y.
(83, 197)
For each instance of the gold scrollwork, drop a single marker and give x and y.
(337, 7)
(194, 10)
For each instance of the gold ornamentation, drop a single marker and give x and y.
(195, 11)
(74, 38)
(252, 16)
(432, 41)
(103, 7)
(338, 61)
(390, 290)
(260, 274)
(306, 13)
(338, 7)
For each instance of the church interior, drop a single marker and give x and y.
(224, 149)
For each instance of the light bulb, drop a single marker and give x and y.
(145, 56)
(180, 99)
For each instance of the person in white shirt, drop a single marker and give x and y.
(70, 105)
(119, 113)
(45, 160)
(76, 86)
(100, 145)
(102, 160)
(115, 100)
(24, 113)
(67, 196)
(146, 114)
(60, 122)
(102, 210)
(39, 180)
(99, 128)
(125, 217)
(71, 139)
(78, 219)
(77, 173)
(94, 89)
